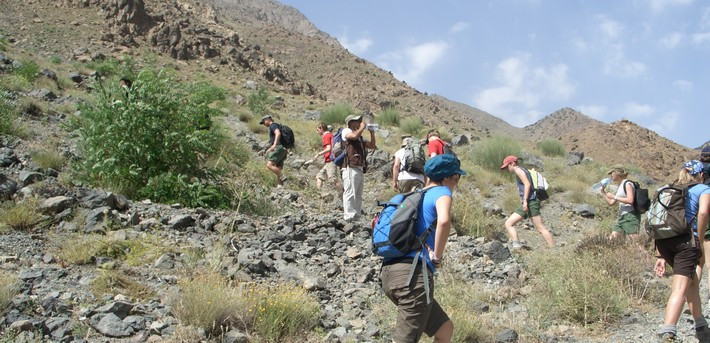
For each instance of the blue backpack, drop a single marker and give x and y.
(337, 150)
(394, 231)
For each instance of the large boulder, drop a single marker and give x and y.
(95, 198)
(377, 159)
(7, 187)
(574, 158)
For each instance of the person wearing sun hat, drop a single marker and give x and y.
(354, 165)
(414, 314)
(405, 179)
(530, 205)
(685, 257)
(705, 159)
(629, 221)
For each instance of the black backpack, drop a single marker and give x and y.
(447, 148)
(641, 200)
(287, 138)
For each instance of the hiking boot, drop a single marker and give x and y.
(703, 334)
(282, 179)
(667, 338)
(517, 245)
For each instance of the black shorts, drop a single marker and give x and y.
(680, 254)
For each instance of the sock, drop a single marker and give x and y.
(667, 329)
(700, 322)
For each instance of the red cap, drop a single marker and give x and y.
(508, 160)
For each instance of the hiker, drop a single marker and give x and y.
(414, 315)
(629, 221)
(354, 165)
(705, 159)
(327, 173)
(405, 178)
(530, 207)
(276, 153)
(435, 145)
(684, 257)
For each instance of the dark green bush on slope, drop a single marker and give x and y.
(156, 131)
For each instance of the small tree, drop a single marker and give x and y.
(258, 101)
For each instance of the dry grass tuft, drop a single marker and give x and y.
(21, 215)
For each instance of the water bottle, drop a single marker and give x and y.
(601, 184)
(373, 127)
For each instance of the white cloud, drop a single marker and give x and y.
(659, 5)
(410, 63)
(705, 19)
(610, 28)
(357, 47)
(666, 124)
(458, 27)
(671, 40)
(594, 111)
(683, 85)
(636, 110)
(580, 44)
(700, 38)
(522, 87)
(616, 63)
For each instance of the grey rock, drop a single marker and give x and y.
(76, 77)
(531, 161)
(7, 157)
(585, 210)
(56, 204)
(7, 188)
(157, 327)
(507, 336)
(119, 308)
(479, 307)
(239, 100)
(44, 94)
(181, 221)
(30, 274)
(28, 177)
(383, 133)
(235, 336)
(60, 328)
(94, 198)
(97, 219)
(112, 326)
(251, 85)
(574, 158)
(80, 51)
(49, 74)
(314, 283)
(138, 323)
(147, 224)
(21, 325)
(496, 251)
(492, 209)
(165, 261)
(311, 115)
(459, 140)
(377, 158)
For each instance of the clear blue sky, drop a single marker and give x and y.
(645, 60)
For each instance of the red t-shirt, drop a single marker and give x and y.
(435, 146)
(327, 140)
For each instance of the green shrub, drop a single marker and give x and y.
(282, 311)
(9, 287)
(389, 116)
(335, 115)
(14, 83)
(470, 219)
(412, 126)
(551, 147)
(250, 189)
(128, 140)
(491, 152)
(55, 59)
(179, 188)
(8, 114)
(117, 282)
(258, 101)
(31, 106)
(125, 67)
(255, 127)
(22, 215)
(28, 70)
(47, 159)
(3, 42)
(245, 116)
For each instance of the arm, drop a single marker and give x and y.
(608, 197)
(395, 172)
(703, 216)
(324, 151)
(660, 267)
(526, 186)
(372, 144)
(443, 225)
(356, 134)
(431, 150)
(277, 140)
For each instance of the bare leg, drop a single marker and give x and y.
(676, 301)
(614, 235)
(510, 226)
(705, 261)
(445, 332)
(276, 170)
(692, 296)
(546, 234)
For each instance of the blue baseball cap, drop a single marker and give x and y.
(694, 167)
(442, 166)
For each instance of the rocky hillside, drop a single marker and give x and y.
(557, 124)
(704, 145)
(624, 142)
(490, 123)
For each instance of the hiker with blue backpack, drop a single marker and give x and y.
(354, 165)
(411, 233)
(530, 204)
(408, 166)
(280, 139)
(329, 170)
(677, 220)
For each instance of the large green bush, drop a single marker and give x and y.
(389, 116)
(551, 147)
(412, 126)
(152, 131)
(336, 114)
(491, 152)
(258, 101)
(125, 67)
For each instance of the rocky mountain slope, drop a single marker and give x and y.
(626, 143)
(704, 145)
(479, 118)
(561, 122)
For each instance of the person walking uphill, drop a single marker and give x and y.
(530, 205)
(416, 315)
(354, 165)
(276, 153)
(408, 166)
(629, 220)
(327, 173)
(683, 253)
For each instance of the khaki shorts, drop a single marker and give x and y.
(278, 156)
(628, 224)
(327, 172)
(404, 186)
(414, 315)
(533, 209)
(680, 254)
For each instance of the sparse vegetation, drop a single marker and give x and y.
(255, 127)
(470, 219)
(3, 42)
(9, 287)
(491, 152)
(282, 311)
(31, 106)
(335, 115)
(28, 70)
(55, 59)
(8, 116)
(251, 189)
(47, 158)
(245, 116)
(258, 101)
(84, 248)
(14, 83)
(118, 282)
(21, 215)
(388, 117)
(412, 126)
(125, 67)
(551, 147)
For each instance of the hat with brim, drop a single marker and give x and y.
(353, 117)
(507, 161)
(617, 169)
(263, 119)
(694, 167)
(705, 152)
(442, 166)
(405, 141)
